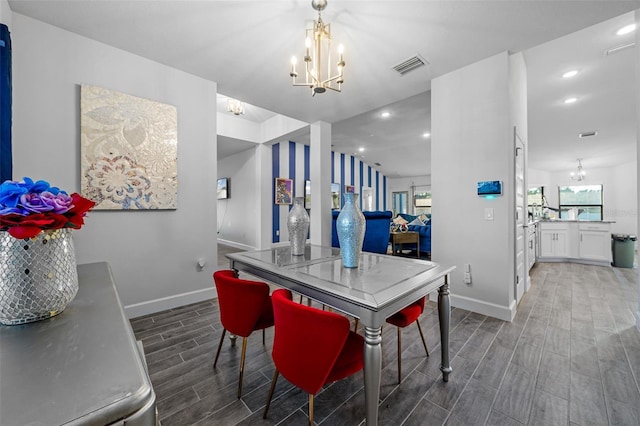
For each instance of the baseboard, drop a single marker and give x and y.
(234, 244)
(485, 308)
(162, 304)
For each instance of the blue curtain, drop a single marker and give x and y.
(6, 166)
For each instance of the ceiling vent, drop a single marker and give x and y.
(410, 64)
(378, 164)
(587, 134)
(618, 49)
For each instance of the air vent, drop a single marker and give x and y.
(587, 134)
(410, 64)
(378, 164)
(618, 49)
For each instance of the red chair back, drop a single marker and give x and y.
(243, 303)
(307, 341)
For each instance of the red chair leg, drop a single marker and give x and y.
(310, 409)
(263, 337)
(424, 342)
(224, 331)
(244, 352)
(271, 389)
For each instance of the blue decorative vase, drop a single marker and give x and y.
(350, 226)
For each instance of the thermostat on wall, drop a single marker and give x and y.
(489, 188)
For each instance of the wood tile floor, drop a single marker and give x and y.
(570, 357)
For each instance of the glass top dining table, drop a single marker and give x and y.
(381, 286)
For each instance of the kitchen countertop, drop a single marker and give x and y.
(571, 221)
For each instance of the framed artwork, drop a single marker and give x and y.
(307, 194)
(128, 151)
(349, 189)
(335, 196)
(284, 191)
(223, 188)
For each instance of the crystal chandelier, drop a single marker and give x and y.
(318, 55)
(580, 174)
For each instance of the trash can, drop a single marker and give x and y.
(623, 250)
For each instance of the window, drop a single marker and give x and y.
(586, 198)
(399, 202)
(422, 203)
(535, 199)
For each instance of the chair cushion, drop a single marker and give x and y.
(407, 315)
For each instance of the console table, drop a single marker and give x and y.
(405, 238)
(82, 367)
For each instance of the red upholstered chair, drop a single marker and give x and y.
(311, 347)
(245, 306)
(402, 319)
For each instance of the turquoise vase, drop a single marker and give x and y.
(350, 226)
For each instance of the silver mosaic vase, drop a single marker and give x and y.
(298, 226)
(38, 276)
(350, 226)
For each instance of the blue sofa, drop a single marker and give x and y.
(423, 231)
(376, 234)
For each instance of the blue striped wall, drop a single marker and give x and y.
(292, 160)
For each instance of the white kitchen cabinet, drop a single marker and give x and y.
(595, 242)
(531, 245)
(585, 242)
(554, 240)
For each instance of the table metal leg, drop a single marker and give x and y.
(444, 317)
(372, 371)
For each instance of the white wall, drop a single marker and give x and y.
(5, 13)
(152, 253)
(238, 216)
(472, 141)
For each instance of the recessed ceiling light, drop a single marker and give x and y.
(361, 149)
(570, 74)
(626, 29)
(426, 134)
(570, 100)
(385, 114)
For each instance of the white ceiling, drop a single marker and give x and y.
(245, 47)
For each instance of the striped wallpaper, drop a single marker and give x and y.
(291, 160)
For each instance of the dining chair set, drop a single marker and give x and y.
(311, 347)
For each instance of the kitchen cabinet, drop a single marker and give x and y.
(554, 240)
(531, 245)
(575, 241)
(595, 242)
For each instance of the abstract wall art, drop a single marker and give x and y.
(128, 151)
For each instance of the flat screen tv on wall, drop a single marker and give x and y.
(223, 188)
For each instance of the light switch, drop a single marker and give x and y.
(488, 213)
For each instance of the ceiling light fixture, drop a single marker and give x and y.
(235, 106)
(318, 51)
(570, 100)
(580, 174)
(626, 29)
(361, 149)
(385, 114)
(570, 74)
(426, 134)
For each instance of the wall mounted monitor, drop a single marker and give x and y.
(223, 188)
(489, 188)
